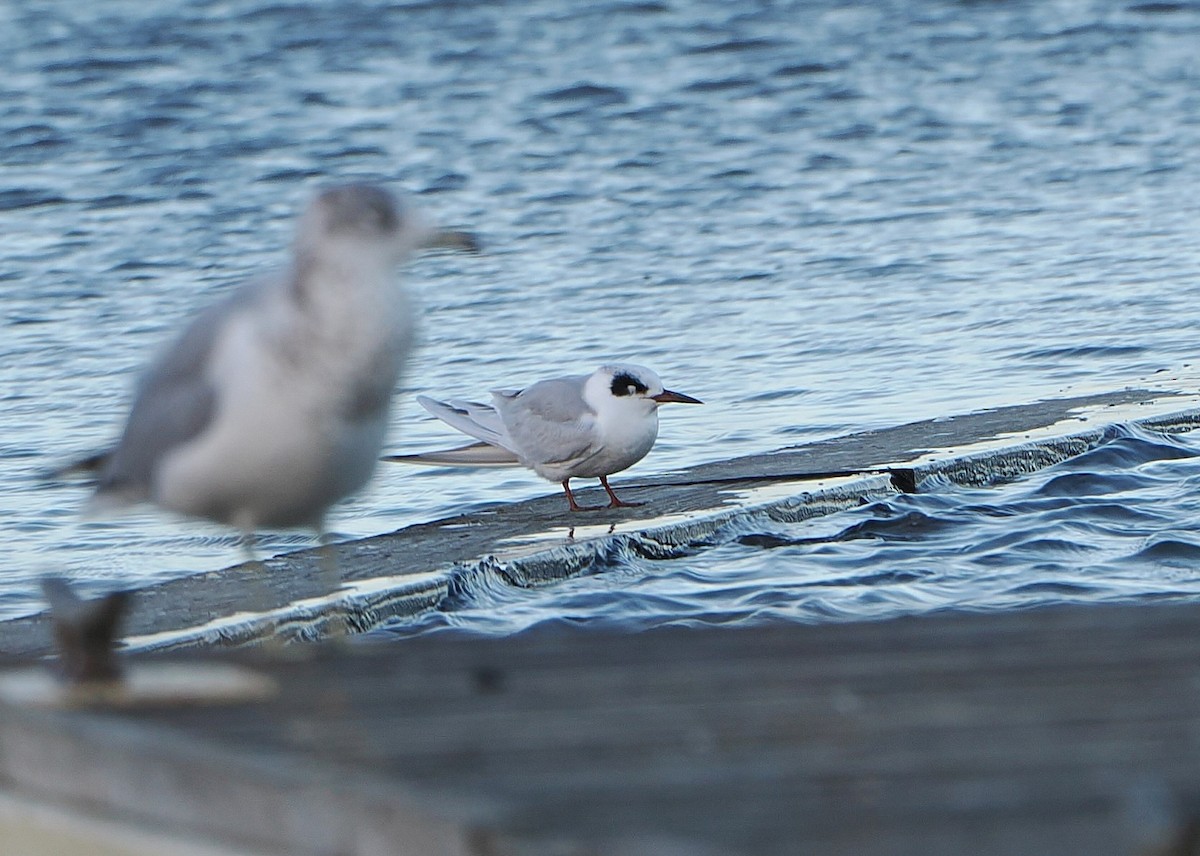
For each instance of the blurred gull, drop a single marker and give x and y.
(588, 426)
(273, 403)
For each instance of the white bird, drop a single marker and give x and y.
(273, 403)
(587, 426)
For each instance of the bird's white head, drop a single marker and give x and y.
(629, 387)
(363, 220)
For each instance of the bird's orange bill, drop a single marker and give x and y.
(678, 397)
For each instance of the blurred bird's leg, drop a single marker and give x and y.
(86, 632)
(247, 544)
(264, 600)
(331, 582)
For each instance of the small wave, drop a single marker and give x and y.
(1088, 484)
(104, 65)
(13, 200)
(1055, 548)
(721, 85)
(826, 161)
(448, 182)
(117, 200)
(1170, 549)
(1129, 446)
(1060, 587)
(879, 578)
(738, 46)
(1162, 8)
(1106, 511)
(804, 69)
(771, 541)
(912, 525)
(1081, 352)
(587, 93)
(288, 176)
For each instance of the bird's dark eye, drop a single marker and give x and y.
(626, 384)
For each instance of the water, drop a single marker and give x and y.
(1116, 523)
(818, 217)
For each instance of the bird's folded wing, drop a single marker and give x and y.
(473, 455)
(175, 400)
(476, 420)
(550, 422)
(547, 441)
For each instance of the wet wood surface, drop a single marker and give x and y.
(1068, 730)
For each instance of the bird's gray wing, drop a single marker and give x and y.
(549, 422)
(173, 404)
(471, 417)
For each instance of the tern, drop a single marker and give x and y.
(585, 426)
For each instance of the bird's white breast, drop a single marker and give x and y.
(625, 435)
(279, 444)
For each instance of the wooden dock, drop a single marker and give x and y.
(1072, 730)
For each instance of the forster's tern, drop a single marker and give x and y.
(589, 426)
(273, 403)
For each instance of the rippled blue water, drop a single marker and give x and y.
(817, 217)
(1117, 523)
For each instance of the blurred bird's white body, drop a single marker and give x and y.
(273, 404)
(286, 446)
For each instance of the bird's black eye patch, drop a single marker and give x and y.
(627, 384)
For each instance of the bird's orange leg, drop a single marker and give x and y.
(616, 502)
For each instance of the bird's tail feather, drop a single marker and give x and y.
(88, 468)
(472, 455)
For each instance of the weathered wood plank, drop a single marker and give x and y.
(1025, 732)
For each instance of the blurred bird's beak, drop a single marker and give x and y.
(451, 239)
(678, 397)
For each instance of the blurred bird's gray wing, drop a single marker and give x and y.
(549, 422)
(174, 403)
